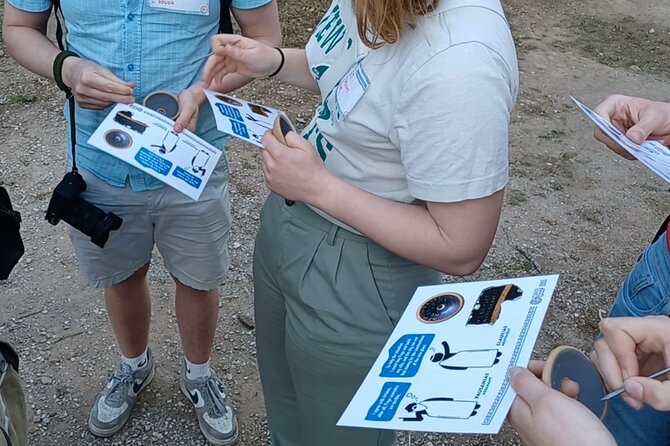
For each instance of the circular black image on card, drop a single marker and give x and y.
(228, 100)
(163, 102)
(440, 308)
(118, 139)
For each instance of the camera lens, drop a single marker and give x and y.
(118, 139)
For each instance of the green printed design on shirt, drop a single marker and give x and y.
(318, 70)
(330, 30)
(321, 144)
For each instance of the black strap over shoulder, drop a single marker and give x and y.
(225, 21)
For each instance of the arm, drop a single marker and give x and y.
(260, 24)
(253, 59)
(451, 126)
(632, 347)
(93, 86)
(640, 119)
(24, 34)
(450, 237)
(545, 417)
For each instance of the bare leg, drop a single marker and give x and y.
(197, 313)
(129, 309)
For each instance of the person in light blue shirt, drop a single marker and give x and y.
(123, 51)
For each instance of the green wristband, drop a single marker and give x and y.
(58, 69)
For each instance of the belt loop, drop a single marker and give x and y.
(332, 233)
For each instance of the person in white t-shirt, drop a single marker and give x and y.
(398, 177)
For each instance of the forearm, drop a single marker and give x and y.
(30, 48)
(296, 70)
(453, 246)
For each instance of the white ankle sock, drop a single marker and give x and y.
(137, 363)
(194, 371)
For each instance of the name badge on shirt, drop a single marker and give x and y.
(351, 89)
(200, 7)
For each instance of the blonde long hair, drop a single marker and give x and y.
(382, 21)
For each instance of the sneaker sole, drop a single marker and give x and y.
(98, 432)
(211, 439)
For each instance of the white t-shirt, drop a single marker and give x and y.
(425, 118)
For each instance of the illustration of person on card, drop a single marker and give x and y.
(441, 407)
(466, 359)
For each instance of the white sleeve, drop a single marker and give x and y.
(452, 124)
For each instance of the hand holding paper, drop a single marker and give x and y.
(640, 119)
(651, 153)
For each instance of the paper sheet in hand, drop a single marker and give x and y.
(241, 119)
(444, 366)
(144, 139)
(652, 154)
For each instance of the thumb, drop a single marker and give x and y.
(529, 388)
(293, 139)
(649, 391)
(638, 133)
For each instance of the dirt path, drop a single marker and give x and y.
(571, 208)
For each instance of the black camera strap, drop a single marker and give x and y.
(58, 72)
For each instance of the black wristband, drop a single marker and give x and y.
(281, 64)
(58, 69)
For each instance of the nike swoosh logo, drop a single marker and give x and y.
(138, 386)
(194, 397)
(142, 364)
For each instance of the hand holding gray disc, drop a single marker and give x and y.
(569, 363)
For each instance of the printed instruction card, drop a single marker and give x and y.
(144, 139)
(444, 367)
(242, 119)
(652, 154)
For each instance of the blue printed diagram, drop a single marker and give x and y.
(405, 355)
(466, 359)
(249, 126)
(441, 407)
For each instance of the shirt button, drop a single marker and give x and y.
(131, 67)
(131, 17)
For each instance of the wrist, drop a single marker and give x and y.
(62, 68)
(280, 62)
(325, 194)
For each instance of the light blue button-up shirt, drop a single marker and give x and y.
(157, 49)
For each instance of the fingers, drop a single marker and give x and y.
(536, 367)
(189, 107)
(187, 119)
(94, 87)
(608, 365)
(649, 391)
(611, 144)
(527, 386)
(570, 388)
(621, 337)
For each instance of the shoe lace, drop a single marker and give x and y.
(215, 400)
(122, 378)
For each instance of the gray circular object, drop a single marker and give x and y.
(119, 139)
(163, 102)
(569, 363)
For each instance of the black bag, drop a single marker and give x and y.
(11, 245)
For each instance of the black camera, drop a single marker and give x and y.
(66, 204)
(125, 118)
